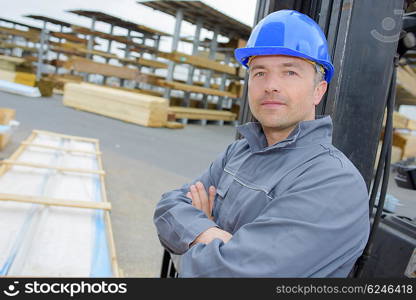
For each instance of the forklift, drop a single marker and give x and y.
(367, 41)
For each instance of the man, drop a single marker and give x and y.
(283, 201)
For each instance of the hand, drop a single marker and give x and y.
(200, 199)
(210, 234)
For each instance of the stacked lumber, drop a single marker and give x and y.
(404, 137)
(103, 35)
(80, 64)
(236, 88)
(145, 110)
(59, 81)
(193, 103)
(405, 141)
(194, 89)
(396, 154)
(10, 70)
(9, 63)
(70, 44)
(400, 121)
(69, 37)
(406, 86)
(151, 63)
(6, 115)
(140, 91)
(198, 61)
(28, 79)
(78, 49)
(120, 39)
(24, 78)
(201, 114)
(32, 35)
(7, 45)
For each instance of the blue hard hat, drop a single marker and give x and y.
(288, 32)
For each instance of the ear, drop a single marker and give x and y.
(319, 92)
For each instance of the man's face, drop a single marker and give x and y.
(282, 90)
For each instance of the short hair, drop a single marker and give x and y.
(319, 74)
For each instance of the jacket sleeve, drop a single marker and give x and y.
(177, 222)
(313, 228)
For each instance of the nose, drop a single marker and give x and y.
(272, 85)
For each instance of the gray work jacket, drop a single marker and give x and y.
(298, 208)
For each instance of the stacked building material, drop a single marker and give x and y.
(11, 70)
(145, 110)
(6, 116)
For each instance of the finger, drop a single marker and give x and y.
(203, 197)
(189, 196)
(212, 192)
(195, 197)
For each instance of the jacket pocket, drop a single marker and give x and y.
(222, 190)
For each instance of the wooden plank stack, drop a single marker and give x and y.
(6, 115)
(406, 86)
(404, 137)
(201, 114)
(194, 89)
(198, 61)
(80, 64)
(406, 142)
(10, 70)
(145, 110)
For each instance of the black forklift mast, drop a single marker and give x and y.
(363, 39)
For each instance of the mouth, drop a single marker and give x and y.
(272, 103)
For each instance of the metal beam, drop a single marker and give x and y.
(364, 56)
(191, 68)
(212, 53)
(90, 44)
(175, 43)
(42, 50)
(222, 86)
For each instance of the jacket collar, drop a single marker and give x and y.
(306, 132)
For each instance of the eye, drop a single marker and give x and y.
(291, 73)
(259, 74)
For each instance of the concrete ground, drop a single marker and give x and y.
(141, 164)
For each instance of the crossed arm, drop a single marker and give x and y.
(205, 202)
(324, 206)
